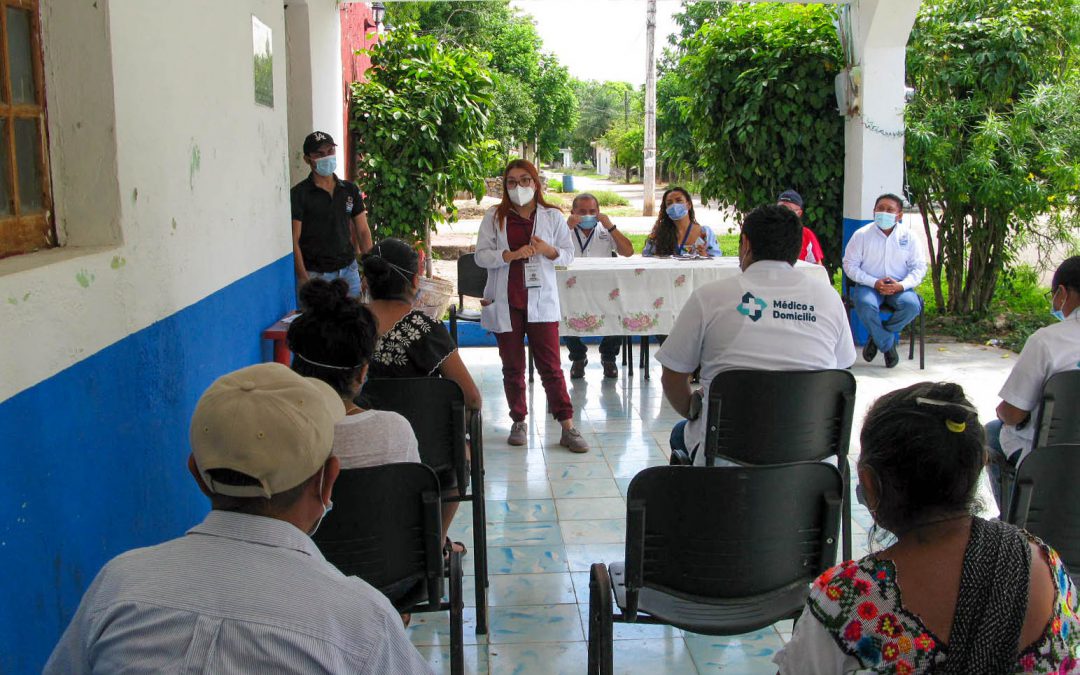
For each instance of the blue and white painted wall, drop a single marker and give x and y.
(171, 187)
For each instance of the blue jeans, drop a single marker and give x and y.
(997, 456)
(609, 347)
(350, 274)
(905, 306)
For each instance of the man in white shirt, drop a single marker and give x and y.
(885, 261)
(770, 317)
(1050, 350)
(595, 236)
(246, 590)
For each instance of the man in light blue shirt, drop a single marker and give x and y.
(886, 262)
(246, 590)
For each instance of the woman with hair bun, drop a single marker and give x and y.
(333, 340)
(955, 593)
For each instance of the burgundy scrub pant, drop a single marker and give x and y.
(544, 340)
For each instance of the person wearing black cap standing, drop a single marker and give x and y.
(811, 249)
(329, 221)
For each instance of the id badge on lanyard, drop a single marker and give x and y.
(533, 278)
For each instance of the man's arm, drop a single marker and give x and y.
(623, 246)
(1010, 414)
(916, 264)
(361, 233)
(677, 390)
(853, 257)
(298, 258)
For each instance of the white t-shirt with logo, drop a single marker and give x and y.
(594, 243)
(770, 317)
(1050, 350)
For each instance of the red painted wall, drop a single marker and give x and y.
(356, 25)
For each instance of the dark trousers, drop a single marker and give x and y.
(544, 341)
(609, 347)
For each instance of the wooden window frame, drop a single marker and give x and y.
(25, 233)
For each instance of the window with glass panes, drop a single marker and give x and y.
(26, 218)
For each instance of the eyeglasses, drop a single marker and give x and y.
(526, 181)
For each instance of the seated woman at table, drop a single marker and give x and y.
(955, 593)
(677, 231)
(332, 340)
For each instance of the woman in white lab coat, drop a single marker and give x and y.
(520, 242)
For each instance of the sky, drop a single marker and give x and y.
(600, 39)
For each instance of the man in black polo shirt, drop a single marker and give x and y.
(329, 223)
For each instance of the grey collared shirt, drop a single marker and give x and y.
(237, 593)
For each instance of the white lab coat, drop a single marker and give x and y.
(544, 301)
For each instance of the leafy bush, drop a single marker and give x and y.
(554, 185)
(609, 198)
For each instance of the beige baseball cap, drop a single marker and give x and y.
(267, 422)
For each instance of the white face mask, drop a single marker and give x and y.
(522, 195)
(327, 508)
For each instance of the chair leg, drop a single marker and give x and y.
(480, 540)
(645, 355)
(911, 343)
(922, 340)
(628, 347)
(457, 622)
(532, 368)
(601, 630)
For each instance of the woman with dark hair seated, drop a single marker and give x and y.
(955, 593)
(332, 340)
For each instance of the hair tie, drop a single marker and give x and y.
(325, 365)
(931, 401)
(955, 427)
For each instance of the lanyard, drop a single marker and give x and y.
(587, 239)
(682, 246)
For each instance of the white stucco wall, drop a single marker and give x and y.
(174, 180)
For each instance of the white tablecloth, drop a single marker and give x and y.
(636, 295)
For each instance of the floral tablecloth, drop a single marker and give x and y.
(636, 295)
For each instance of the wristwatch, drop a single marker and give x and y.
(612, 228)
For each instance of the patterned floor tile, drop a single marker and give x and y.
(526, 559)
(531, 589)
(750, 653)
(563, 658)
(592, 487)
(535, 623)
(603, 508)
(521, 510)
(594, 531)
(524, 534)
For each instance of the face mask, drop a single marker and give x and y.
(325, 166)
(327, 508)
(522, 195)
(587, 222)
(885, 220)
(677, 210)
(1056, 313)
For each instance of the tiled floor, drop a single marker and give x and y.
(551, 514)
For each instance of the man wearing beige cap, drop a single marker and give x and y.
(246, 590)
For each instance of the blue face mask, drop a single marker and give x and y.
(587, 222)
(325, 166)
(1056, 313)
(677, 210)
(885, 220)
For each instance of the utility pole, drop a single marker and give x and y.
(649, 197)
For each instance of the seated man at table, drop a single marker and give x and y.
(1050, 350)
(810, 250)
(246, 590)
(885, 261)
(595, 236)
(770, 317)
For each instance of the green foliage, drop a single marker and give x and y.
(554, 185)
(514, 111)
(609, 198)
(758, 81)
(556, 107)
(599, 105)
(993, 138)
(421, 118)
(627, 143)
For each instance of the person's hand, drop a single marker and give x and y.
(526, 251)
(573, 220)
(892, 287)
(883, 286)
(701, 249)
(696, 401)
(543, 248)
(605, 221)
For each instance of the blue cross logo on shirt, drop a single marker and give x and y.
(751, 306)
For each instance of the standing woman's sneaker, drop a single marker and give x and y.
(519, 432)
(573, 441)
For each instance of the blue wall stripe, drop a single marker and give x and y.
(858, 330)
(93, 459)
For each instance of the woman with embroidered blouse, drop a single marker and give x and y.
(955, 593)
(677, 231)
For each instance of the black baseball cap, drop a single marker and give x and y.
(791, 197)
(316, 140)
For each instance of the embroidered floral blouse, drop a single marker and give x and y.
(414, 347)
(855, 622)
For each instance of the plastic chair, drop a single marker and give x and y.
(1044, 504)
(471, 282)
(386, 528)
(1056, 423)
(765, 417)
(849, 305)
(435, 408)
(716, 550)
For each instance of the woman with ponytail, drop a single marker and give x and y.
(520, 242)
(955, 593)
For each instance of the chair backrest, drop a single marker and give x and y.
(731, 532)
(1057, 420)
(386, 526)
(775, 417)
(435, 408)
(471, 278)
(1044, 499)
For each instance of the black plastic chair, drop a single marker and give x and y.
(1044, 501)
(849, 306)
(471, 282)
(435, 408)
(1056, 423)
(386, 528)
(716, 551)
(765, 417)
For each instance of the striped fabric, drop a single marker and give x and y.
(238, 593)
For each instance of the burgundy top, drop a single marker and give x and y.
(518, 233)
